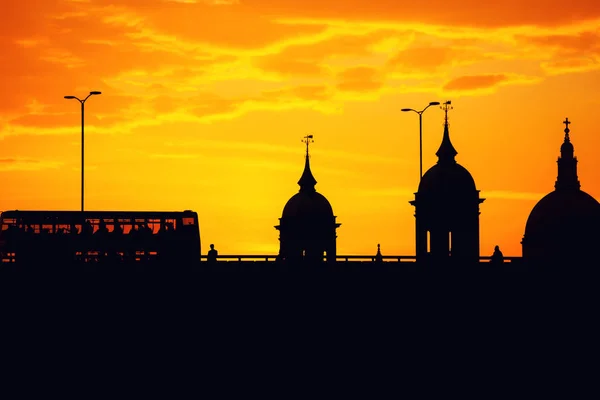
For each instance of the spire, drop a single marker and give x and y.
(378, 256)
(566, 150)
(307, 181)
(567, 164)
(446, 152)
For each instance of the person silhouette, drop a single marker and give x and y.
(212, 254)
(497, 257)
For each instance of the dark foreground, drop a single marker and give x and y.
(304, 325)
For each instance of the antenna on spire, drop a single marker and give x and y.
(308, 139)
(446, 107)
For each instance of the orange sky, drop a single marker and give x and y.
(204, 104)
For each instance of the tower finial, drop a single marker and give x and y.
(446, 152)
(447, 106)
(307, 139)
(567, 164)
(307, 181)
(567, 130)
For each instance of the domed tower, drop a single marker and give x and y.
(447, 210)
(564, 225)
(307, 227)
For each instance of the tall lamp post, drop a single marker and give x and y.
(433, 103)
(82, 137)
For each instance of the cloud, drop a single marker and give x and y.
(566, 53)
(27, 164)
(511, 195)
(209, 2)
(269, 148)
(302, 92)
(359, 79)
(581, 41)
(472, 84)
(462, 12)
(155, 61)
(174, 156)
(401, 192)
(338, 43)
(572, 65)
(288, 67)
(234, 27)
(427, 59)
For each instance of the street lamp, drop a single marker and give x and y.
(82, 140)
(433, 103)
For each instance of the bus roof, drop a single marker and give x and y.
(97, 214)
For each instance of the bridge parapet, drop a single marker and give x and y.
(341, 258)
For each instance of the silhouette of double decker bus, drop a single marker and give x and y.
(99, 236)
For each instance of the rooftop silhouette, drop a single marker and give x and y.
(562, 227)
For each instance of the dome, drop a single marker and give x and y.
(307, 204)
(571, 212)
(567, 147)
(447, 178)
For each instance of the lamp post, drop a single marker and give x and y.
(433, 103)
(82, 137)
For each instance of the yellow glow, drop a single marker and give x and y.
(204, 104)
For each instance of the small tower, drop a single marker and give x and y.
(567, 164)
(378, 256)
(307, 227)
(447, 210)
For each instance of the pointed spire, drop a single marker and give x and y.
(378, 256)
(567, 164)
(307, 181)
(446, 152)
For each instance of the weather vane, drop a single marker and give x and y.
(308, 139)
(446, 107)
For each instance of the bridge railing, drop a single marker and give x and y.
(341, 258)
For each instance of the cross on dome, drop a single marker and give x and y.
(567, 123)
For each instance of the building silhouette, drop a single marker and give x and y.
(447, 210)
(307, 227)
(563, 227)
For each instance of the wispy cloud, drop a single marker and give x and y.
(26, 164)
(511, 195)
(488, 194)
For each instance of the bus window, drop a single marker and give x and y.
(125, 224)
(109, 223)
(154, 224)
(187, 221)
(170, 222)
(62, 228)
(6, 222)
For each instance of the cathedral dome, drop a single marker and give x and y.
(447, 178)
(566, 212)
(565, 222)
(307, 205)
(307, 227)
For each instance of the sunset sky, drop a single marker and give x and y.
(204, 105)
